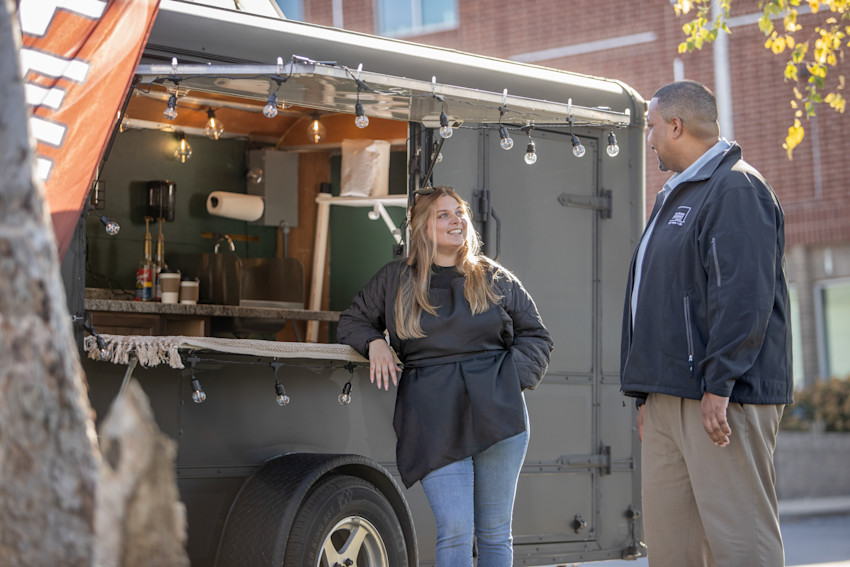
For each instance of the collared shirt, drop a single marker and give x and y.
(675, 180)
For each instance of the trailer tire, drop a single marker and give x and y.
(346, 518)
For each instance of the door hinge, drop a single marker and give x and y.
(602, 203)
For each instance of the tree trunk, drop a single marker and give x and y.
(48, 457)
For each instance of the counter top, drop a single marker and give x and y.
(97, 302)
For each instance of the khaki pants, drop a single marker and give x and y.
(704, 505)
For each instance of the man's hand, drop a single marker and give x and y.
(382, 365)
(714, 418)
(639, 420)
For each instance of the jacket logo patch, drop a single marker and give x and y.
(680, 216)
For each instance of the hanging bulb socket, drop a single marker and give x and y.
(213, 128)
(280, 394)
(198, 394)
(110, 226)
(530, 153)
(578, 148)
(445, 129)
(360, 120)
(270, 109)
(171, 107)
(505, 141)
(345, 397)
(613, 149)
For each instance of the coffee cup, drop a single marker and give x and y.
(170, 284)
(189, 292)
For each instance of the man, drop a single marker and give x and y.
(707, 345)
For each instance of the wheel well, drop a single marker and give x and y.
(259, 520)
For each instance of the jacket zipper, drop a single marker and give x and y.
(714, 257)
(689, 336)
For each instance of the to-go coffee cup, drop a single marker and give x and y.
(170, 285)
(189, 292)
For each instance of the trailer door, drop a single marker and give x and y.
(578, 486)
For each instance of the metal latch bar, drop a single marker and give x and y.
(602, 203)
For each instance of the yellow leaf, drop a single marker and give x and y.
(814, 5)
(795, 136)
(778, 45)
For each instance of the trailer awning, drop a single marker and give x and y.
(331, 87)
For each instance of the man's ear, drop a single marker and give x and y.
(678, 127)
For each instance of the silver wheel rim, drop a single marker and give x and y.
(353, 541)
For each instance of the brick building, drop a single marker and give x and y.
(636, 42)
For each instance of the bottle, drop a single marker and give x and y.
(144, 272)
(159, 263)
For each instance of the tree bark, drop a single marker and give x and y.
(140, 519)
(48, 456)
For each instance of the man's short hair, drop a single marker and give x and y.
(693, 103)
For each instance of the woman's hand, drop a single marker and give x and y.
(382, 365)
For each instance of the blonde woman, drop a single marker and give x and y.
(471, 340)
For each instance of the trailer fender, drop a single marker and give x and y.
(257, 528)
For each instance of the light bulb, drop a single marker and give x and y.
(316, 130)
(184, 150)
(171, 108)
(345, 397)
(445, 130)
(282, 399)
(198, 395)
(439, 157)
(613, 149)
(361, 120)
(102, 350)
(578, 149)
(270, 110)
(506, 142)
(530, 154)
(214, 128)
(110, 226)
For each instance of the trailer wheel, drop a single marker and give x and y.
(346, 521)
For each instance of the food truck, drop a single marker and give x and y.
(284, 209)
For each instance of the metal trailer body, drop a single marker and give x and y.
(249, 471)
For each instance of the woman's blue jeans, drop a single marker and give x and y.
(476, 496)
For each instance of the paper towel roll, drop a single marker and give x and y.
(235, 205)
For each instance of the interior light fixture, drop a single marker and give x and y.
(270, 110)
(316, 130)
(360, 120)
(214, 128)
(184, 150)
(198, 394)
(445, 129)
(613, 149)
(171, 107)
(530, 153)
(345, 397)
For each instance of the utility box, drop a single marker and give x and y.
(273, 175)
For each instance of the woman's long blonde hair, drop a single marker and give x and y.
(413, 287)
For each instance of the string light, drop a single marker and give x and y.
(345, 397)
(360, 120)
(506, 141)
(578, 148)
(280, 393)
(530, 151)
(214, 128)
(316, 130)
(445, 129)
(110, 226)
(184, 150)
(613, 149)
(270, 110)
(171, 107)
(198, 394)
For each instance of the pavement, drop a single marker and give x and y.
(815, 532)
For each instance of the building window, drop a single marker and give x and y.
(415, 17)
(833, 308)
(292, 9)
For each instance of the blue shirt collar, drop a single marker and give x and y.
(702, 168)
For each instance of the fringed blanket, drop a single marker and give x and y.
(153, 351)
